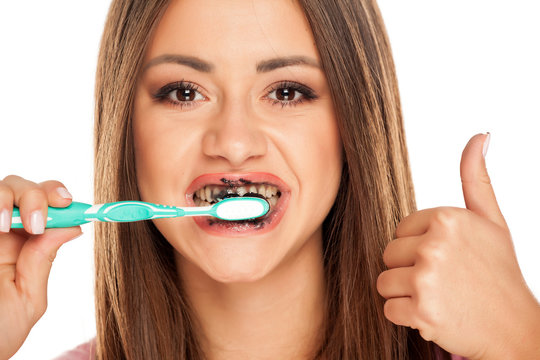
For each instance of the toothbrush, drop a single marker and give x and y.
(237, 208)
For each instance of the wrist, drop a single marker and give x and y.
(522, 336)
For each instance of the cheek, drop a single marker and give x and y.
(327, 163)
(148, 155)
(160, 158)
(317, 154)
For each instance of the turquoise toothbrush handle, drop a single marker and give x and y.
(121, 211)
(125, 211)
(72, 215)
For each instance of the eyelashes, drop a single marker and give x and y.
(185, 94)
(179, 93)
(286, 94)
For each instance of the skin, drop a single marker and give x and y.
(452, 273)
(261, 294)
(26, 257)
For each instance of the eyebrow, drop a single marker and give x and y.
(204, 66)
(276, 63)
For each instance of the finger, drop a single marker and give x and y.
(10, 247)
(6, 207)
(57, 193)
(477, 190)
(399, 311)
(32, 202)
(401, 252)
(35, 261)
(395, 282)
(416, 223)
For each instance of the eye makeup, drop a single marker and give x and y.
(184, 94)
(290, 88)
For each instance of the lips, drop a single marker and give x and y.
(246, 227)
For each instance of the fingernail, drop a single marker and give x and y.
(486, 144)
(36, 222)
(62, 191)
(4, 220)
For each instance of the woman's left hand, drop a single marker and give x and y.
(453, 274)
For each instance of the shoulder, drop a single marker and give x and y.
(85, 351)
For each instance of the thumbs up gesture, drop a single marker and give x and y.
(453, 274)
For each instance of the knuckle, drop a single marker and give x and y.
(6, 193)
(52, 184)
(423, 282)
(428, 314)
(34, 193)
(12, 177)
(484, 178)
(446, 219)
(431, 251)
(427, 334)
(444, 216)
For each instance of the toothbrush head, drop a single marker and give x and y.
(241, 208)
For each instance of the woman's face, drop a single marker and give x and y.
(232, 99)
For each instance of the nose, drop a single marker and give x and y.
(234, 136)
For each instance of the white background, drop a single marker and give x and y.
(464, 67)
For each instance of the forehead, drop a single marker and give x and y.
(233, 31)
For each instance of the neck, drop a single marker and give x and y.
(279, 316)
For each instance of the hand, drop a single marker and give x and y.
(453, 274)
(26, 256)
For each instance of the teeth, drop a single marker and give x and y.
(199, 194)
(209, 194)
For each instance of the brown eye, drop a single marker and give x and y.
(285, 94)
(290, 93)
(184, 95)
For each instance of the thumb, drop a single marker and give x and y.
(477, 190)
(35, 261)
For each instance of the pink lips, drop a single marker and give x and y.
(240, 228)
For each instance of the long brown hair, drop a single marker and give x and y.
(141, 310)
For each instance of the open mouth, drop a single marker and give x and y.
(209, 189)
(212, 194)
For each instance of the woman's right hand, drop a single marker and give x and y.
(26, 255)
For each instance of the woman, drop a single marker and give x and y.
(299, 99)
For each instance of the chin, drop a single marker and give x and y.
(236, 265)
(231, 275)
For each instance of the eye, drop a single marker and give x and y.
(286, 94)
(179, 93)
(290, 93)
